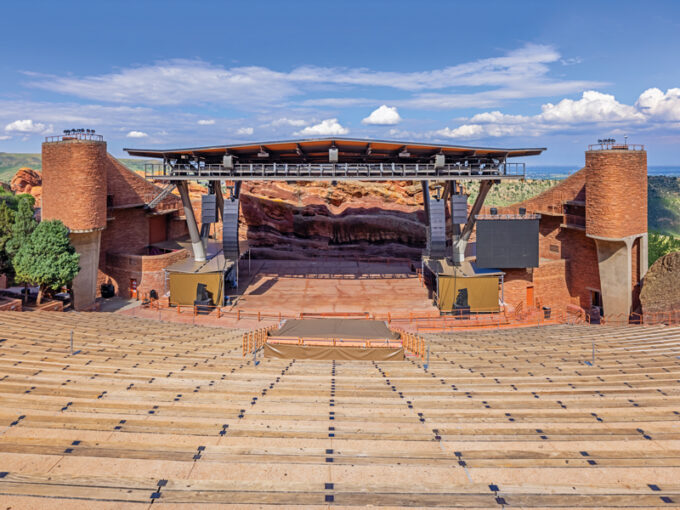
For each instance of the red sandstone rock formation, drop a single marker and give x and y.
(315, 219)
(27, 180)
(661, 286)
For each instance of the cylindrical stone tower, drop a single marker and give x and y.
(74, 191)
(616, 219)
(616, 193)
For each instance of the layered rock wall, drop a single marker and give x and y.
(318, 219)
(661, 286)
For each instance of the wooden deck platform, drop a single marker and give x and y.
(172, 415)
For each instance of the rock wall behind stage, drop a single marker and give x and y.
(317, 219)
(661, 285)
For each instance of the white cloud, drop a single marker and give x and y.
(592, 107)
(288, 122)
(206, 122)
(245, 131)
(27, 126)
(136, 134)
(660, 105)
(325, 127)
(523, 72)
(5, 137)
(593, 110)
(383, 116)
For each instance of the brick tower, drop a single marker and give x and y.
(74, 191)
(616, 219)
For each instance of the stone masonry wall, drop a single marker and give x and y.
(74, 183)
(616, 193)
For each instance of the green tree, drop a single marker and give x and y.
(24, 225)
(660, 245)
(47, 258)
(6, 222)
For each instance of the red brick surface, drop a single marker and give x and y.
(87, 188)
(613, 185)
(74, 183)
(551, 201)
(515, 286)
(126, 188)
(148, 270)
(9, 304)
(616, 193)
(550, 283)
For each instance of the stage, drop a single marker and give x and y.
(324, 339)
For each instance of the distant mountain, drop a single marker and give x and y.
(664, 204)
(10, 163)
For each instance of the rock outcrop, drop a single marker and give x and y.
(317, 219)
(27, 180)
(661, 286)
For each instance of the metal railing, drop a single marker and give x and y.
(330, 171)
(616, 146)
(75, 136)
(509, 216)
(411, 342)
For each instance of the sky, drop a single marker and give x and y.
(149, 74)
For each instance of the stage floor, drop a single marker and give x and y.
(331, 287)
(335, 328)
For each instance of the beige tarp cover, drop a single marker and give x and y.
(183, 287)
(317, 352)
(335, 328)
(482, 292)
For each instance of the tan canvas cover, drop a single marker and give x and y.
(183, 287)
(482, 292)
(317, 352)
(335, 328)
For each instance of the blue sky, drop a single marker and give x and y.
(519, 74)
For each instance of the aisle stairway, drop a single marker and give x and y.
(173, 415)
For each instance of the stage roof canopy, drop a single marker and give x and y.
(349, 150)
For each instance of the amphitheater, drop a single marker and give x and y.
(145, 413)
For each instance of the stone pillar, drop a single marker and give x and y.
(85, 283)
(644, 255)
(614, 263)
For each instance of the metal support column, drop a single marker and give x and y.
(460, 243)
(220, 198)
(453, 190)
(426, 199)
(425, 185)
(196, 243)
